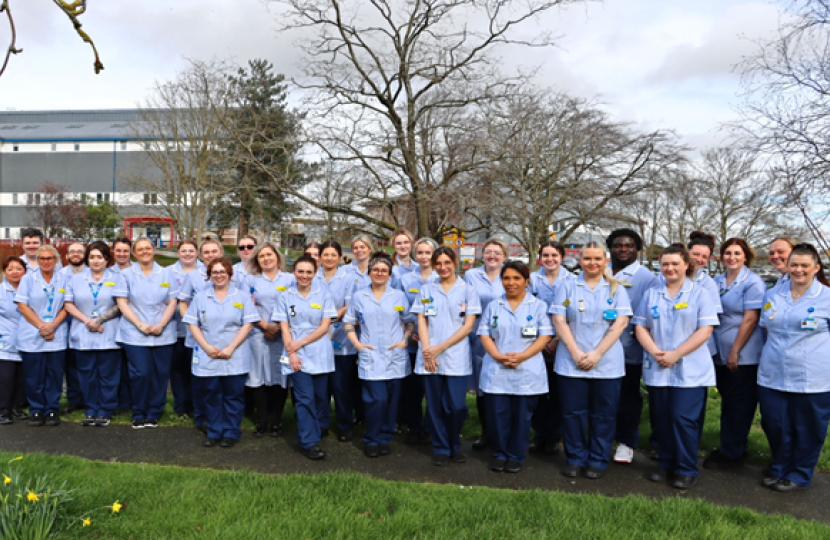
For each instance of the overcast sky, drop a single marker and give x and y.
(659, 63)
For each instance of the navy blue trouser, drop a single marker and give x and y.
(74, 392)
(224, 405)
(99, 373)
(348, 403)
(380, 401)
(631, 406)
(446, 410)
(311, 404)
(149, 369)
(547, 418)
(12, 386)
(181, 377)
(676, 425)
(125, 400)
(796, 427)
(739, 399)
(508, 424)
(411, 407)
(43, 376)
(589, 417)
(197, 394)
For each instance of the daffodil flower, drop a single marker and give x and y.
(18, 458)
(86, 521)
(32, 497)
(6, 480)
(116, 507)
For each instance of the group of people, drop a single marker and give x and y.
(550, 353)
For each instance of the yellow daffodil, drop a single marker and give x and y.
(18, 458)
(32, 497)
(116, 507)
(6, 480)
(86, 521)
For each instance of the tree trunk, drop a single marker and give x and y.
(244, 221)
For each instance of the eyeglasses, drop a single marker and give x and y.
(494, 253)
(245, 247)
(217, 273)
(46, 258)
(380, 271)
(75, 252)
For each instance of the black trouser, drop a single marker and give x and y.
(12, 386)
(269, 402)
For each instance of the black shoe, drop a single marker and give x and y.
(19, 414)
(593, 473)
(512, 466)
(716, 461)
(653, 455)
(260, 429)
(138, 423)
(5, 419)
(552, 448)
(371, 451)
(498, 465)
(681, 481)
(227, 443)
(200, 427)
(459, 457)
(481, 443)
(36, 419)
(88, 421)
(276, 431)
(385, 449)
(102, 421)
(324, 432)
(439, 460)
(70, 408)
(150, 423)
(658, 475)
(785, 486)
(52, 419)
(770, 481)
(571, 471)
(209, 443)
(314, 453)
(537, 446)
(344, 436)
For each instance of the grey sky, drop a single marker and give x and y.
(659, 63)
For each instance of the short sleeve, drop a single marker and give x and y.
(560, 296)
(484, 327)
(170, 278)
(641, 317)
(22, 295)
(192, 315)
(473, 302)
(185, 293)
(249, 311)
(351, 313)
(329, 311)
(754, 295)
(545, 324)
(405, 316)
(622, 303)
(762, 320)
(122, 287)
(280, 313)
(707, 311)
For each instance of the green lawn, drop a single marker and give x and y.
(172, 502)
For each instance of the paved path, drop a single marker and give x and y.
(181, 446)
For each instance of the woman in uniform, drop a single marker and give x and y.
(267, 384)
(590, 314)
(674, 322)
(147, 300)
(404, 262)
(305, 313)
(446, 311)
(385, 328)
(779, 256)
(245, 249)
(513, 330)
(220, 319)
(362, 249)
(89, 300)
(793, 375)
(312, 249)
(486, 281)
(12, 386)
(42, 337)
(740, 341)
(181, 377)
(121, 249)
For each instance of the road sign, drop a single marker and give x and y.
(452, 237)
(459, 242)
(468, 254)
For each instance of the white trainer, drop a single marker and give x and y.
(624, 454)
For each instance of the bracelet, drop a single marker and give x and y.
(350, 330)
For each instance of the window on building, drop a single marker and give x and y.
(37, 199)
(54, 147)
(8, 232)
(77, 147)
(16, 148)
(151, 198)
(123, 145)
(60, 198)
(84, 198)
(100, 197)
(106, 197)
(14, 201)
(30, 199)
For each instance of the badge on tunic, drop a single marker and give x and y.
(165, 285)
(281, 288)
(62, 291)
(238, 305)
(316, 306)
(110, 284)
(398, 308)
(414, 291)
(681, 305)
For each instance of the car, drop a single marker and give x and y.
(571, 264)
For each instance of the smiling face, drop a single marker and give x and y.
(267, 259)
(46, 261)
(219, 275)
(423, 254)
(304, 274)
(779, 252)
(734, 257)
(623, 250)
(444, 266)
(144, 251)
(493, 256)
(380, 274)
(75, 254)
(330, 258)
(403, 246)
(700, 256)
(245, 249)
(360, 251)
(673, 268)
(550, 258)
(514, 283)
(593, 262)
(187, 253)
(14, 273)
(30, 245)
(210, 251)
(802, 269)
(121, 252)
(97, 261)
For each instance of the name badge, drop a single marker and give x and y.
(426, 300)
(626, 284)
(399, 309)
(95, 313)
(281, 288)
(336, 345)
(609, 315)
(414, 291)
(196, 355)
(165, 285)
(430, 311)
(47, 318)
(582, 305)
(316, 306)
(768, 305)
(681, 305)
(809, 324)
(529, 331)
(647, 361)
(109, 284)
(285, 360)
(654, 313)
(238, 305)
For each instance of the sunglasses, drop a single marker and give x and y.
(245, 247)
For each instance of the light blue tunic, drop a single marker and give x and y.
(542, 289)
(679, 318)
(340, 288)
(584, 309)
(504, 326)
(195, 282)
(361, 281)
(411, 284)
(794, 359)
(451, 310)
(44, 299)
(265, 361)
(381, 326)
(636, 279)
(704, 280)
(400, 270)
(747, 292)
(179, 280)
(9, 323)
(148, 298)
(304, 316)
(487, 291)
(220, 322)
(88, 295)
(240, 272)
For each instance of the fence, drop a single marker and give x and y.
(14, 248)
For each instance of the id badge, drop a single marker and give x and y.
(809, 324)
(2, 344)
(336, 345)
(430, 311)
(529, 331)
(285, 360)
(609, 315)
(196, 356)
(47, 318)
(95, 313)
(647, 361)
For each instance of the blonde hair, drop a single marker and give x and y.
(365, 239)
(791, 241)
(143, 239)
(50, 249)
(606, 272)
(211, 241)
(495, 242)
(254, 261)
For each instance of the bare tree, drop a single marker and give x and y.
(57, 212)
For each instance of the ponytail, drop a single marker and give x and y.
(612, 281)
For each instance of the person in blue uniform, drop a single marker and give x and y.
(146, 297)
(121, 249)
(74, 396)
(305, 313)
(410, 410)
(181, 376)
(267, 384)
(89, 297)
(446, 310)
(12, 385)
(312, 249)
(405, 263)
(220, 318)
(740, 341)
(513, 329)
(547, 418)
(42, 337)
(385, 328)
(590, 314)
(362, 249)
(486, 280)
(625, 246)
(779, 256)
(245, 249)
(674, 322)
(793, 375)
(344, 382)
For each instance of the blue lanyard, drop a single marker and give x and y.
(50, 296)
(96, 292)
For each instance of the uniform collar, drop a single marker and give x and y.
(8, 286)
(580, 280)
(629, 270)
(742, 276)
(412, 263)
(353, 264)
(39, 277)
(664, 290)
(232, 290)
(136, 269)
(816, 288)
(563, 272)
(262, 275)
(368, 291)
(296, 292)
(700, 275)
(529, 299)
(87, 275)
(177, 268)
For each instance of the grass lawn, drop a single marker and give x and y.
(172, 502)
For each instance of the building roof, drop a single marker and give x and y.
(82, 125)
